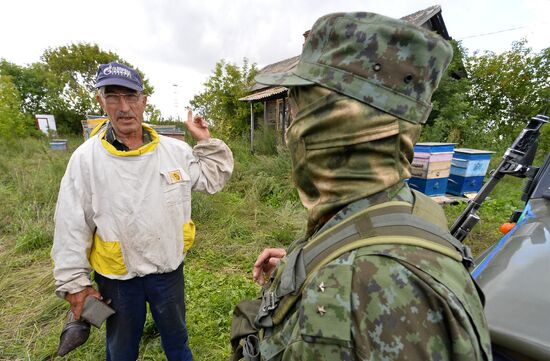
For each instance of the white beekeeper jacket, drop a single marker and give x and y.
(128, 214)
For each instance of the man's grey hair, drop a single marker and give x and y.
(101, 91)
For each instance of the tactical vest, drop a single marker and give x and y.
(389, 223)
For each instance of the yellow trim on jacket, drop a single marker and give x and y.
(146, 148)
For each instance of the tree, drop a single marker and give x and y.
(508, 89)
(219, 102)
(32, 83)
(451, 119)
(62, 84)
(13, 124)
(152, 114)
(73, 69)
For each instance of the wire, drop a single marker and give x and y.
(497, 32)
(494, 32)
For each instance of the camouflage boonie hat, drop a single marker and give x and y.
(387, 63)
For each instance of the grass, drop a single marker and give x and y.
(258, 208)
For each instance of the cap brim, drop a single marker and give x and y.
(284, 79)
(120, 82)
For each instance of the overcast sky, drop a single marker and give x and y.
(177, 43)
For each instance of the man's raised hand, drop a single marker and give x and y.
(197, 126)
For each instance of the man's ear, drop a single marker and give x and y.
(100, 100)
(144, 100)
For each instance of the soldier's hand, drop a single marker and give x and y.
(197, 127)
(77, 299)
(266, 263)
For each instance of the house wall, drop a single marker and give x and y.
(271, 113)
(276, 116)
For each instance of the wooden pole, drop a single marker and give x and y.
(251, 128)
(265, 114)
(283, 123)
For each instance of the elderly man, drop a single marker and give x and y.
(377, 275)
(124, 211)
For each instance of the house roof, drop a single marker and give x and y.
(264, 94)
(429, 18)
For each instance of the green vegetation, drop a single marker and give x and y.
(484, 100)
(61, 83)
(12, 122)
(219, 101)
(258, 208)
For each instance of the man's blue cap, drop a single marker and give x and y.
(118, 74)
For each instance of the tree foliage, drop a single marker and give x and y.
(451, 119)
(62, 84)
(74, 68)
(508, 89)
(219, 102)
(492, 101)
(13, 123)
(32, 83)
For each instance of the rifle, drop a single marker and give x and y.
(516, 161)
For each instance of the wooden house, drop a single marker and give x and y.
(276, 113)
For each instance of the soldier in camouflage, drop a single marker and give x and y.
(358, 96)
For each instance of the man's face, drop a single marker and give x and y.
(124, 107)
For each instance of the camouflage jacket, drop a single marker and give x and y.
(385, 302)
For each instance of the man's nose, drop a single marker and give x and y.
(124, 105)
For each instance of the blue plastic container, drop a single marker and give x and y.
(459, 185)
(430, 187)
(58, 144)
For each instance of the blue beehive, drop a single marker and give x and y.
(430, 167)
(431, 187)
(468, 169)
(433, 147)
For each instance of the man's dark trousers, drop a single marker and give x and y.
(165, 294)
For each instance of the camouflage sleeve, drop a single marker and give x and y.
(365, 306)
(322, 321)
(400, 312)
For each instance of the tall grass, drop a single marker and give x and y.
(258, 208)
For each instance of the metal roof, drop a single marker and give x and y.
(264, 94)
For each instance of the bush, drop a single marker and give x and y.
(13, 124)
